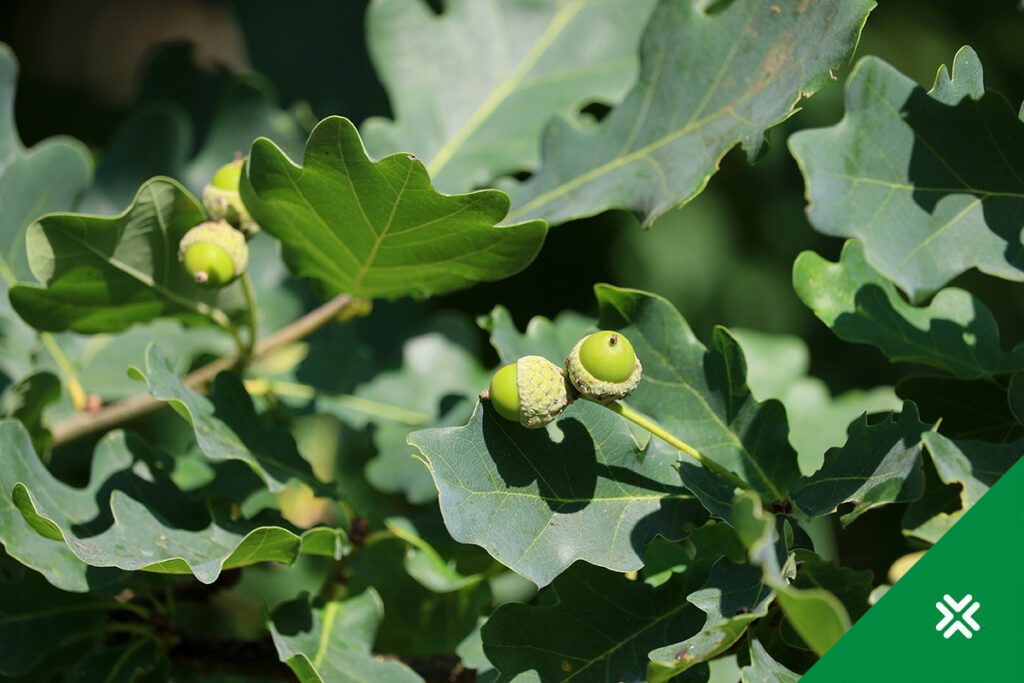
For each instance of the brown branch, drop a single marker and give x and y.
(85, 423)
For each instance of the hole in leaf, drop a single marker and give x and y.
(595, 110)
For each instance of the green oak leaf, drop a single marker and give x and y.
(105, 525)
(733, 597)
(226, 424)
(537, 500)
(764, 669)
(963, 408)
(332, 641)
(700, 394)
(138, 660)
(878, 465)
(596, 626)
(552, 339)
(378, 229)
(932, 182)
(777, 367)
(37, 621)
(955, 332)
(105, 274)
(817, 615)
(473, 88)
(708, 80)
(973, 467)
(48, 177)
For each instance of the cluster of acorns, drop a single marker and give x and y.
(215, 252)
(533, 391)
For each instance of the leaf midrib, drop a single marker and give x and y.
(506, 88)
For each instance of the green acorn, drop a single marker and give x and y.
(213, 253)
(532, 391)
(603, 367)
(222, 201)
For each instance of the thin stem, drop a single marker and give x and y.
(82, 424)
(658, 431)
(78, 397)
(250, 302)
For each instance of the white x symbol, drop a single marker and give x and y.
(950, 616)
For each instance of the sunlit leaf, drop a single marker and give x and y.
(931, 182)
(955, 332)
(473, 88)
(710, 78)
(227, 426)
(378, 229)
(331, 641)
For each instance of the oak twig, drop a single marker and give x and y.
(85, 423)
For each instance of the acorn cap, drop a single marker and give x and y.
(543, 393)
(226, 205)
(594, 389)
(221, 234)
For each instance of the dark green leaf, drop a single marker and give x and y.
(700, 394)
(932, 182)
(708, 81)
(955, 332)
(733, 596)
(332, 641)
(227, 426)
(105, 274)
(968, 409)
(972, 465)
(474, 87)
(36, 620)
(1016, 396)
(879, 464)
(378, 229)
(599, 628)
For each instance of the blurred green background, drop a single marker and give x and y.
(725, 258)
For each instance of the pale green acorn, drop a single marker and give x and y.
(532, 391)
(223, 202)
(603, 367)
(213, 253)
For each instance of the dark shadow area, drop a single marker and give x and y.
(293, 618)
(968, 409)
(975, 147)
(566, 473)
(151, 487)
(942, 345)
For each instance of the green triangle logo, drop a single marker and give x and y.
(957, 616)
